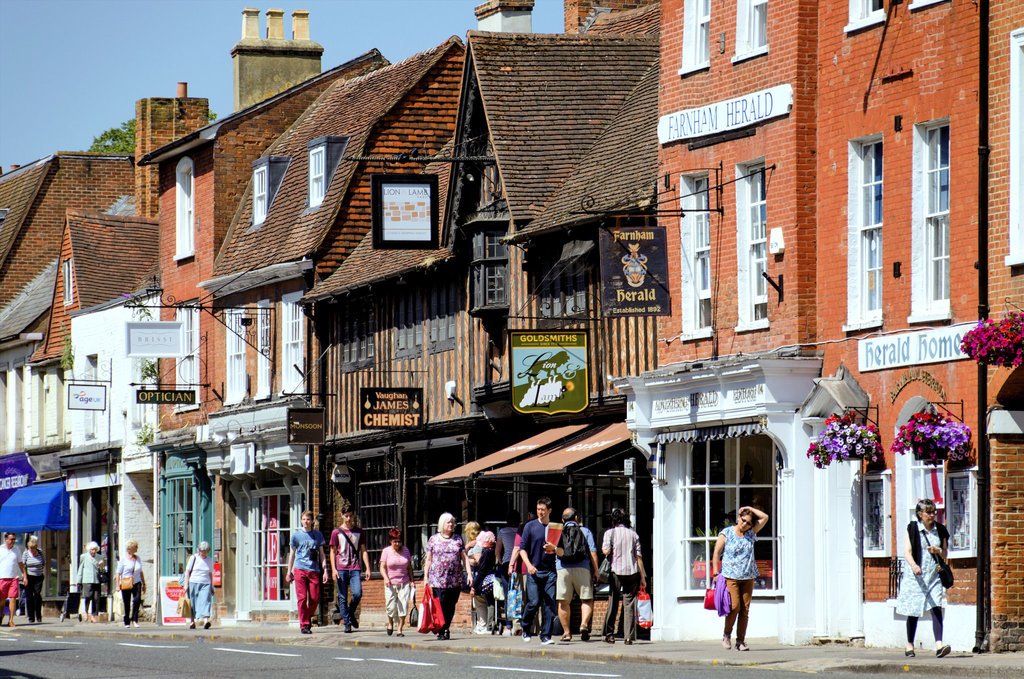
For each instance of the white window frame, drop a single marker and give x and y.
(953, 505)
(317, 174)
(751, 29)
(751, 288)
(69, 281)
(696, 36)
(187, 368)
(264, 341)
(863, 15)
(234, 347)
(923, 307)
(293, 335)
(255, 544)
(921, 4)
(260, 194)
(695, 252)
(883, 506)
(863, 223)
(1016, 136)
(185, 212)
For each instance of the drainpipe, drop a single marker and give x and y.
(983, 585)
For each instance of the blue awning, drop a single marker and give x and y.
(42, 506)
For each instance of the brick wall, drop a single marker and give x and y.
(159, 121)
(1007, 567)
(577, 12)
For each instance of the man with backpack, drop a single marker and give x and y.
(576, 568)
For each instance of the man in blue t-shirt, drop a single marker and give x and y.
(575, 577)
(539, 558)
(306, 562)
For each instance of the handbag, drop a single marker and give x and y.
(514, 603)
(499, 590)
(709, 599)
(127, 583)
(644, 609)
(604, 573)
(184, 607)
(414, 611)
(945, 572)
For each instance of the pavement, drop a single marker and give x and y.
(765, 654)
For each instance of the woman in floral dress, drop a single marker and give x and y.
(920, 588)
(446, 569)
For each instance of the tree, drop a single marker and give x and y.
(116, 139)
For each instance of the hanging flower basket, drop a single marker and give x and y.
(999, 343)
(844, 439)
(932, 437)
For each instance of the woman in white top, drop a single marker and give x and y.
(199, 584)
(132, 582)
(34, 562)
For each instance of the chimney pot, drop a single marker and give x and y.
(505, 16)
(14, 167)
(182, 92)
(250, 23)
(275, 24)
(300, 24)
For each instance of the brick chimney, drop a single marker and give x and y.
(265, 66)
(579, 13)
(505, 16)
(159, 121)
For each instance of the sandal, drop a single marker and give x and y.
(566, 637)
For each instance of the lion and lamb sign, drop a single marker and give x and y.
(549, 371)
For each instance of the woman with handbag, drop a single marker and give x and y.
(621, 545)
(90, 580)
(735, 551)
(132, 582)
(199, 585)
(446, 569)
(921, 589)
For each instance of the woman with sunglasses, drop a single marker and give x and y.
(735, 550)
(920, 588)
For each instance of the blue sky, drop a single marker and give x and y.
(70, 69)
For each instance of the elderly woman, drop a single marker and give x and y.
(199, 585)
(921, 589)
(735, 551)
(483, 583)
(446, 569)
(132, 582)
(396, 569)
(89, 567)
(34, 562)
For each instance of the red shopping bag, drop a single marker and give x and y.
(431, 616)
(709, 599)
(644, 610)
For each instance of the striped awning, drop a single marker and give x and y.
(725, 431)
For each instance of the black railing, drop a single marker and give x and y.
(895, 575)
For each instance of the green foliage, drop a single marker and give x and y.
(116, 139)
(146, 435)
(67, 353)
(149, 370)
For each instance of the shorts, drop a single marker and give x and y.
(8, 588)
(574, 580)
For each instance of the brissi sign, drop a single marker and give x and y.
(550, 371)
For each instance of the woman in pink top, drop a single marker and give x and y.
(396, 568)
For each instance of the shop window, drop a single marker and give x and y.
(490, 263)
(930, 237)
(271, 545)
(184, 241)
(695, 250)
(234, 334)
(179, 500)
(864, 13)
(961, 519)
(1015, 135)
(293, 333)
(444, 314)
(751, 28)
(864, 253)
(927, 482)
(721, 477)
(876, 519)
(356, 332)
(696, 35)
(408, 328)
(752, 251)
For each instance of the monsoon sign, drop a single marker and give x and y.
(549, 371)
(15, 472)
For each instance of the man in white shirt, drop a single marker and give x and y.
(11, 568)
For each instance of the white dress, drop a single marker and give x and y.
(921, 593)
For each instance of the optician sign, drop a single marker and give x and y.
(87, 396)
(166, 396)
(153, 339)
(937, 345)
(722, 116)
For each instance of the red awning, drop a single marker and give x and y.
(560, 459)
(508, 453)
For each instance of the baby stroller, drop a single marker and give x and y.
(72, 604)
(501, 622)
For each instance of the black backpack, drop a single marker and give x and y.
(574, 544)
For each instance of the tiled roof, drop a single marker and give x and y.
(644, 20)
(348, 108)
(112, 255)
(29, 304)
(18, 190)
(367, 265)
(619, 172)
(547, 99)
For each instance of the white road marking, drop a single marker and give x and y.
(8, 638)
(242, 650)
(404, 662)
(543, 671)
(149, 645)
(352, 659)
(45, 641)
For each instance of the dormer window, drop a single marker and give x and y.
(324, 155)
(267, 175)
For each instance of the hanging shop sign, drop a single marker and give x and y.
(730, 114)
(15, 472)
(306, 426)
(85, 479)
(166, 396)
(153, 339)
(404, 211)
(87, 396)
(387, 408)
(937, 345)
(550, 371)
(634, 272)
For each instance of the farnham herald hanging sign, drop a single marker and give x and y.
(634, 272)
